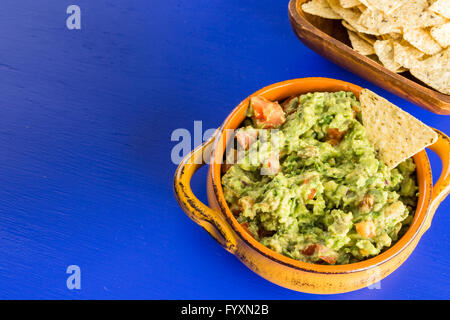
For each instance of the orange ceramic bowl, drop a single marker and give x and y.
(220, 223)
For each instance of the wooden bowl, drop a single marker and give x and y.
(220, 223)
(329, 39)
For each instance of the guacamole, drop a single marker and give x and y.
(303, 179)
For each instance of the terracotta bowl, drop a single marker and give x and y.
(220, 223)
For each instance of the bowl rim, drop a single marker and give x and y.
(424, 179)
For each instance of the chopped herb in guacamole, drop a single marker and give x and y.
(307, 183)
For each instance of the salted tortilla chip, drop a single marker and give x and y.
(369, 38)
(434, 71)
(426, 19)
(385, 52)
(411, 13)
(376, 20)
(351, 16)
(350, 13)
(441, 34)
(320, 8)
(387, 6)
(407, 14)
(406, 55)
(348, 26)
(359, 44)
(349, 3)
(422, 40)
(396, 134)
(442, 7)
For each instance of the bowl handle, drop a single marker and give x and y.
(442, 187)
(211, 220)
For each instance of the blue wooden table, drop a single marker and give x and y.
(85, 143)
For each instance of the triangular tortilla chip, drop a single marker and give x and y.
(434, 71)
(406, 55)
(427, 18)
(422, 40)
(442, 7)
(369, 38)
(396, 134)
(351, 16)
(359, 44)
(320, 8)
(442, 34)
(385, 52)
(387, 6)
(376, 21)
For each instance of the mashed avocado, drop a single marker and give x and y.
(308, 184)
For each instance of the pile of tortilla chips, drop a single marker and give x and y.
(402, 35)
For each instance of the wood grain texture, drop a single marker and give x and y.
(329, 39)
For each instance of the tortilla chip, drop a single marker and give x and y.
(361, 7)
(428, 18)
(350, 13)
(378, 22)
(348, 26)
(369, 38)
(441, 34)
(359, 44)
(320, 8)
(409, 14)
(442, 7)
(385, 52)
(387, 6)
(406, 55)
(409, 11)
(395, 35)
(422, 40)
(409, 5)
(351, 16)
(434, 71)
(364, 3)
(396, 134)
(349, 3)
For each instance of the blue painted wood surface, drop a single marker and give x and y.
(85, 126)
